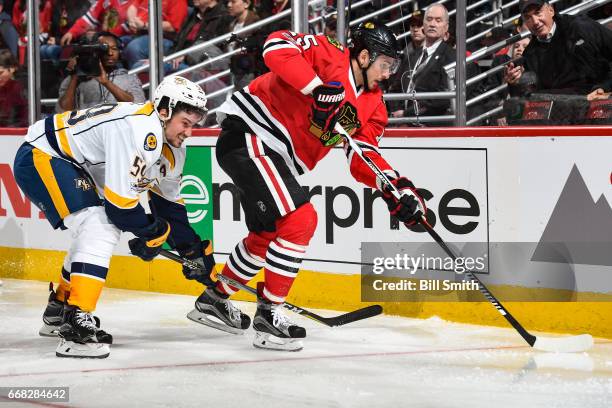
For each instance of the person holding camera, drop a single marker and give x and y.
(568, 54)
(97, 77)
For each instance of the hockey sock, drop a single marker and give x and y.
(283, 262)
(86, 283)
(63, 289)
(246, 260)
(285, 253)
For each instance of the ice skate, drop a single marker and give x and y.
(274, 330)
(52, 316)
(217, 311)
(81, 337)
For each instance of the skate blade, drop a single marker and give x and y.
(202, 318)
(49, 331)
(82, 350)
(269, 342)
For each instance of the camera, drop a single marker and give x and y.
(88, 59)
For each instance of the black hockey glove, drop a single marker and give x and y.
(410, 207)
(327, 100)
(149, 244)
(201, 252)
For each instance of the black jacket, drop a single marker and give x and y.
(430, 77)
(215, 22)
(576, 61)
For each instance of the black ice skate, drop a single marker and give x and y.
(81, 337)
(217, 311)
(273, 329)
(52, 316)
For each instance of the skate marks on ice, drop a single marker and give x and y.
(162, 359)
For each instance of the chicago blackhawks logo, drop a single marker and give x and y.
(348, 117)
(335, 43)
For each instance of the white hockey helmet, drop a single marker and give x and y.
(178, 89)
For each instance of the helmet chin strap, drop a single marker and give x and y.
(364, 74)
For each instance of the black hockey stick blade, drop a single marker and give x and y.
(341, 320)
(350, 317)
(346, 318)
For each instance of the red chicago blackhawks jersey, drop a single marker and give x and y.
(277, 105)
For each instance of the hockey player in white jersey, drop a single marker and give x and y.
(86, 170)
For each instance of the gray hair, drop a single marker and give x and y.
(446, 17)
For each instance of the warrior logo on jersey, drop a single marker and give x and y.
(335, 43)
(150, 142)
(83, 184)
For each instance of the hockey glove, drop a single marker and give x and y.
(149, 245)
(410, 207)
(347, 117)
(326, 101)
(201, 252)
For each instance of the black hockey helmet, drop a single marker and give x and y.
(377, 38)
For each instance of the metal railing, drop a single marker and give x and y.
(454, 96)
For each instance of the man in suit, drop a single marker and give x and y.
(425, 67)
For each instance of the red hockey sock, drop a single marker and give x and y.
(285, 253)
(246, 260)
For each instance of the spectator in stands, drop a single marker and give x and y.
(20, 20)
(267, 8)
(103, 15)
(64, 15)
(514, 54)
(243, 66)
(399, 82)
(114, 84)
(569, 55)
(174, 13)
(209, 19)
(13, 104)
(270, 8)
(330, 24)
(427, 72)
(242, 13)
(8, 34)
(417, 35)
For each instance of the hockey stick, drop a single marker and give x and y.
(567, 344)
(346, 318)
(341, 320)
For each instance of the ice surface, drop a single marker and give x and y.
(161, 359)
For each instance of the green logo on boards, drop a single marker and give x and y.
(196, 189)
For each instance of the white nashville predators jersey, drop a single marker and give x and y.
(121, 146)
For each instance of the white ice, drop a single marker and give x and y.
(161, 359)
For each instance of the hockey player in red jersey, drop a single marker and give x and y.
(279, 127)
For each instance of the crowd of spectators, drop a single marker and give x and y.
(563, 55)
